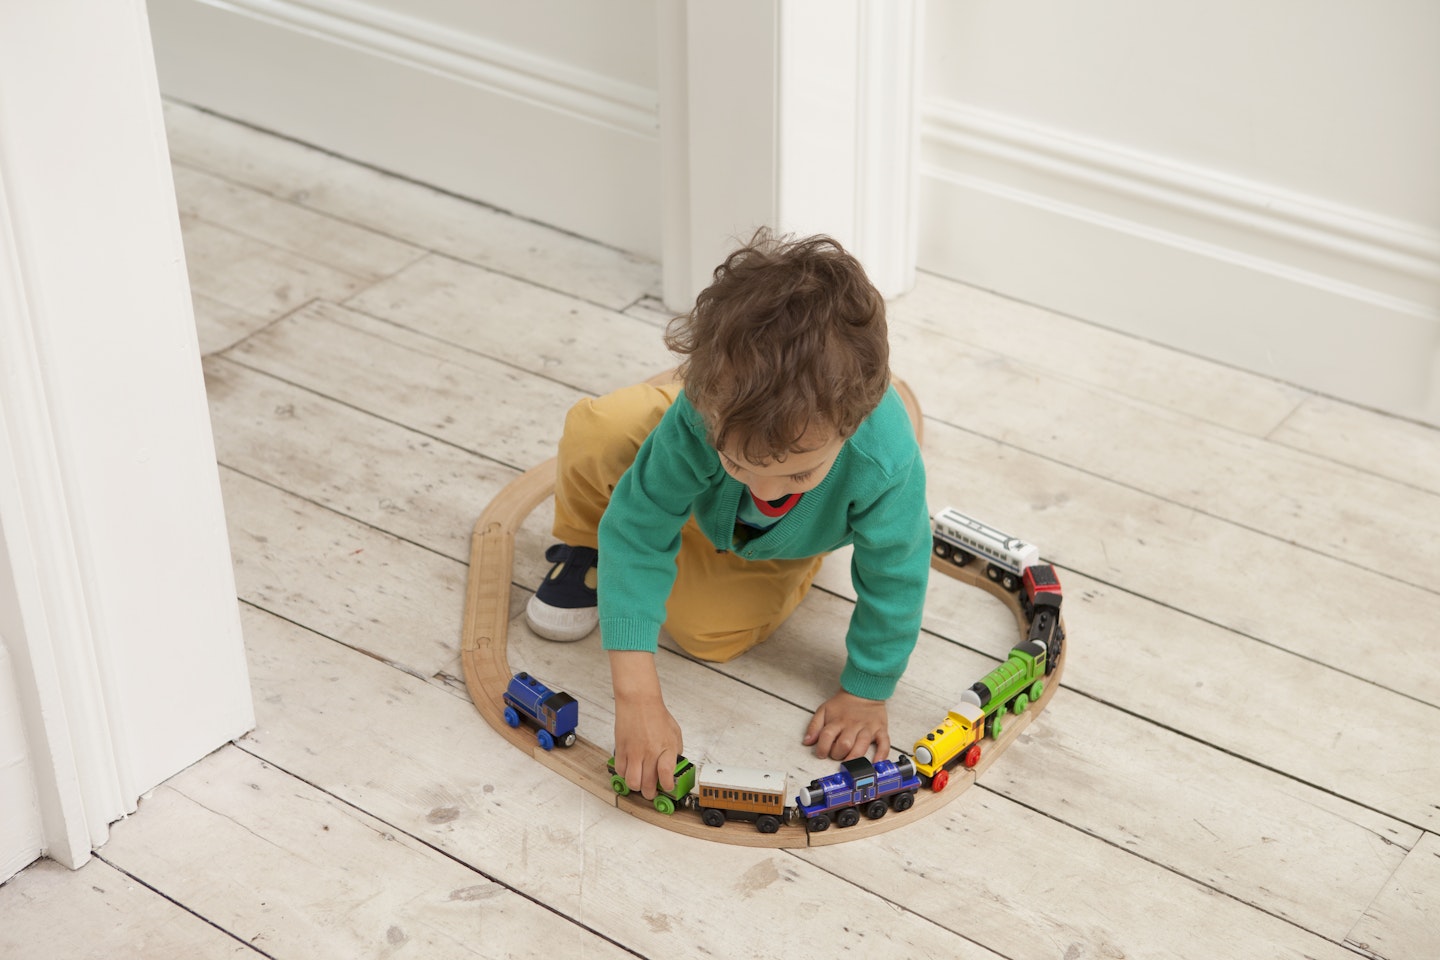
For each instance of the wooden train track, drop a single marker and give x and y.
(487, 672)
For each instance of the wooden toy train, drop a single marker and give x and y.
(719, 793)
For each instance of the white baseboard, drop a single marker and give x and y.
(1326, 297)
(541, 139)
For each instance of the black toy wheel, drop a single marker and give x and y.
(847, 817)
(712, 817)
(876, 809)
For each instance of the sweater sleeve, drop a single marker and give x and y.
(639, 533)
(890, 569)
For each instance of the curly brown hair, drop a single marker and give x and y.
(790, 335)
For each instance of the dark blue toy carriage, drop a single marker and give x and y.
(859, 787)
(555, 712)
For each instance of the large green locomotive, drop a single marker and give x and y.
(1010, 687)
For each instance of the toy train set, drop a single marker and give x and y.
(861, 787)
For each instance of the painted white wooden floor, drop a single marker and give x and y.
(1243, 763)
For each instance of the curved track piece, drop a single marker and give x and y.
(487, 671)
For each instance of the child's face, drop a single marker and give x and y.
(801, 471)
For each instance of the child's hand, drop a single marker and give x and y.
(845, 726)
(647, 743)
(647, 738)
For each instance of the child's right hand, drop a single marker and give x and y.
(647, 738)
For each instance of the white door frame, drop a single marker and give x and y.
(797, 114)
(117, 599)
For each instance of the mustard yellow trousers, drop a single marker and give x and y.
(720, 605)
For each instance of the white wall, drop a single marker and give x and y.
(798, 115)
(1301, 94)
(551, 110)
(1249, 181)
(1252, 182)
(117, 599)
(545, 108)
(614, 39)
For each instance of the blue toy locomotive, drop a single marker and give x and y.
(555, 712)
(859, 785)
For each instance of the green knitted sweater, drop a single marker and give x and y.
(873, 497)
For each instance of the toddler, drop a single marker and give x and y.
(712, 501)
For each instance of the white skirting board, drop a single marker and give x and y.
(538, 138)
(1328, 298)
(22, 830)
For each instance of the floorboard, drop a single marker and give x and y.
(100, 913)
(1180, 797)
(464, 398)
(357, 251)
(409, 212)
(1281, 492)
(360, 586)
(1384, 445)
(419, 759)
(255, 278)
(1401, 922)
(309, 875)
(1061, 348)
(547, 333)
(418, 488)
(1238, 764)
(1314, 606)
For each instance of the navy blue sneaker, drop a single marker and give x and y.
(564, 606)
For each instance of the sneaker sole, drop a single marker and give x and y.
(559, 624)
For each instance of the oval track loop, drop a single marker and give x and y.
(487, 672)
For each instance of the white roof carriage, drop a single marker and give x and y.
(954, 525)
(747, 779)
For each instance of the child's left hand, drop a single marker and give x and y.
(846, 726)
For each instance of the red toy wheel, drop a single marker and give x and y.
(937, 782)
